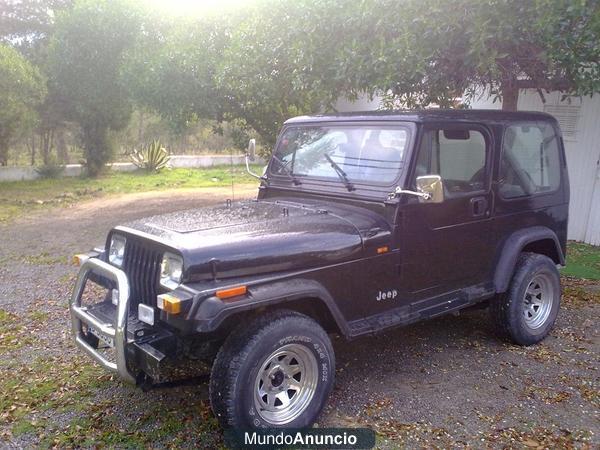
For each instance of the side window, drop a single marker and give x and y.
(457, 155)
(530, 160)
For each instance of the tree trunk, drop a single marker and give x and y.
(47, 145)
(140, 136)
(98, 148)
(61, 147)
(33, 149)
(510, 95)
(50, 145)
(4, 144)
(3, 156)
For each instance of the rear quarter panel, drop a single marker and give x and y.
(549, 210)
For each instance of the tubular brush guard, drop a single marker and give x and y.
(116, 331)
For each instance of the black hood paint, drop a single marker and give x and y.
(265, 236)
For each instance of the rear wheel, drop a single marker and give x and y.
(526, 313)
(276, 371)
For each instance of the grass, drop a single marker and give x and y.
(44, 384)
(11, 333)
(53, 398)
(32, 395)
(45, 259)
(173, 428)
(18, 197)
(583, 261)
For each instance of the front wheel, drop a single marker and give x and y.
(526, 313)
(275, 372)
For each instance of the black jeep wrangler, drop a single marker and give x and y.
(362, 222)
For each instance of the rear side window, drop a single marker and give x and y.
(530, 160)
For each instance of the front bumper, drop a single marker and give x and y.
(115, 331)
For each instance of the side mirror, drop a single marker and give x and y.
(432, 185)
(251, 152)
(250, 156)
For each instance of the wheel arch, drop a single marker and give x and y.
(307, 297)
(538, 239)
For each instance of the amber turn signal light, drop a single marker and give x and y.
(383, 249)
(231, 292)
(169, 303)
(79, 259)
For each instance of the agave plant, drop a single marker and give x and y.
(152, 158)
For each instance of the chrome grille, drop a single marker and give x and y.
(142, 266)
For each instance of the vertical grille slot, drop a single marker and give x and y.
(154, 272)
(143, 278)
(142, 266)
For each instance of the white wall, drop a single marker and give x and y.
(362, 103)
(580, 122)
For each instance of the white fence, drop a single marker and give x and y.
(74, 170)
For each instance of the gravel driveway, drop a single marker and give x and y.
(443, 383)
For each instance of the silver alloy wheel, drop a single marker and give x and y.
(538, 300)
(285, 384)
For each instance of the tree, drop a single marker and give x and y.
(86, 59)
(275, 65)
(22, 89)
(23, 22)
(253, 69)
(280, 58)
(544, 45)
(171, 70)
(432, 51)
(27, 26)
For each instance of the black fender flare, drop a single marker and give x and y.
(213, 312)
(513, 246)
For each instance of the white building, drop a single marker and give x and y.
(579, 120)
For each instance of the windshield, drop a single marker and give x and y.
(371, 154)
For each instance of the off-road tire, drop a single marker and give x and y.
(242, 358)
(508, 310)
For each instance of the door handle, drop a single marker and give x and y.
(479, 206)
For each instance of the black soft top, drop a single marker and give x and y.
(428, 115)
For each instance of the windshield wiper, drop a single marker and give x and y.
(287, 171)
(340, 173)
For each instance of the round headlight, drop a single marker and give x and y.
(116, 252)
(171, 270)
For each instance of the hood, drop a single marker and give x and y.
(254, 237)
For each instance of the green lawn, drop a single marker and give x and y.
(19, 196)
(583, 261)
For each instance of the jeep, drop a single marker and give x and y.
(362, 222)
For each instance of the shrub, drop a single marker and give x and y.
(152, 158)
(51, 170)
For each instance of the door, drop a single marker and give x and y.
(446, 246)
